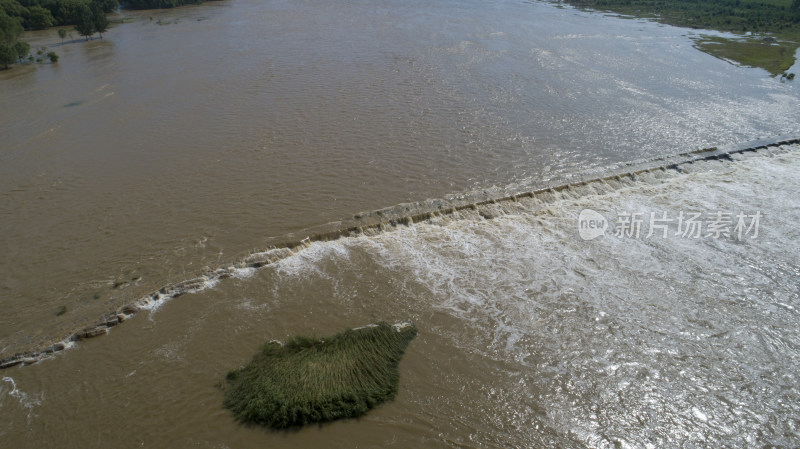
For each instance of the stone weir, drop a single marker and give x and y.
(485, 204)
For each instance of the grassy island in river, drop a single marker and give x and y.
(313, 380)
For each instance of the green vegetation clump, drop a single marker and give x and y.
(41, 14)
(22, 49)
(10, 29)
(159, 4)
(314, 380)
(88, 17)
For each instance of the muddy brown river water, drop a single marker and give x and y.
(198, 139)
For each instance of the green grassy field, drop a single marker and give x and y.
(753, 20)
(775, 58)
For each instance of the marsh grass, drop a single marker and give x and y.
(773, 56)
(315, 380)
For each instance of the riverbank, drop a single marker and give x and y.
(768, 33)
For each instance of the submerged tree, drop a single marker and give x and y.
(62, 33)
(22, 49)
(83, 19)
(99, 19)
(7, 54)
(10, 29)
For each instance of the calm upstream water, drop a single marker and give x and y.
(188, 139)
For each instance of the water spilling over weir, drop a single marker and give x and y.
(472, 206)
(530, 335)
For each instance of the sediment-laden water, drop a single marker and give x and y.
(198, 140)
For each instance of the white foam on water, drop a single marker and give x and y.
(243, 273)
(26, 401)
(153, 303)
(622, 331)
(247, 304)
(307, 259)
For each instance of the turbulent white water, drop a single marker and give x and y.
(618, 341)
(189, 137)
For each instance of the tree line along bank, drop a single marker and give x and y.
(86, 16)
